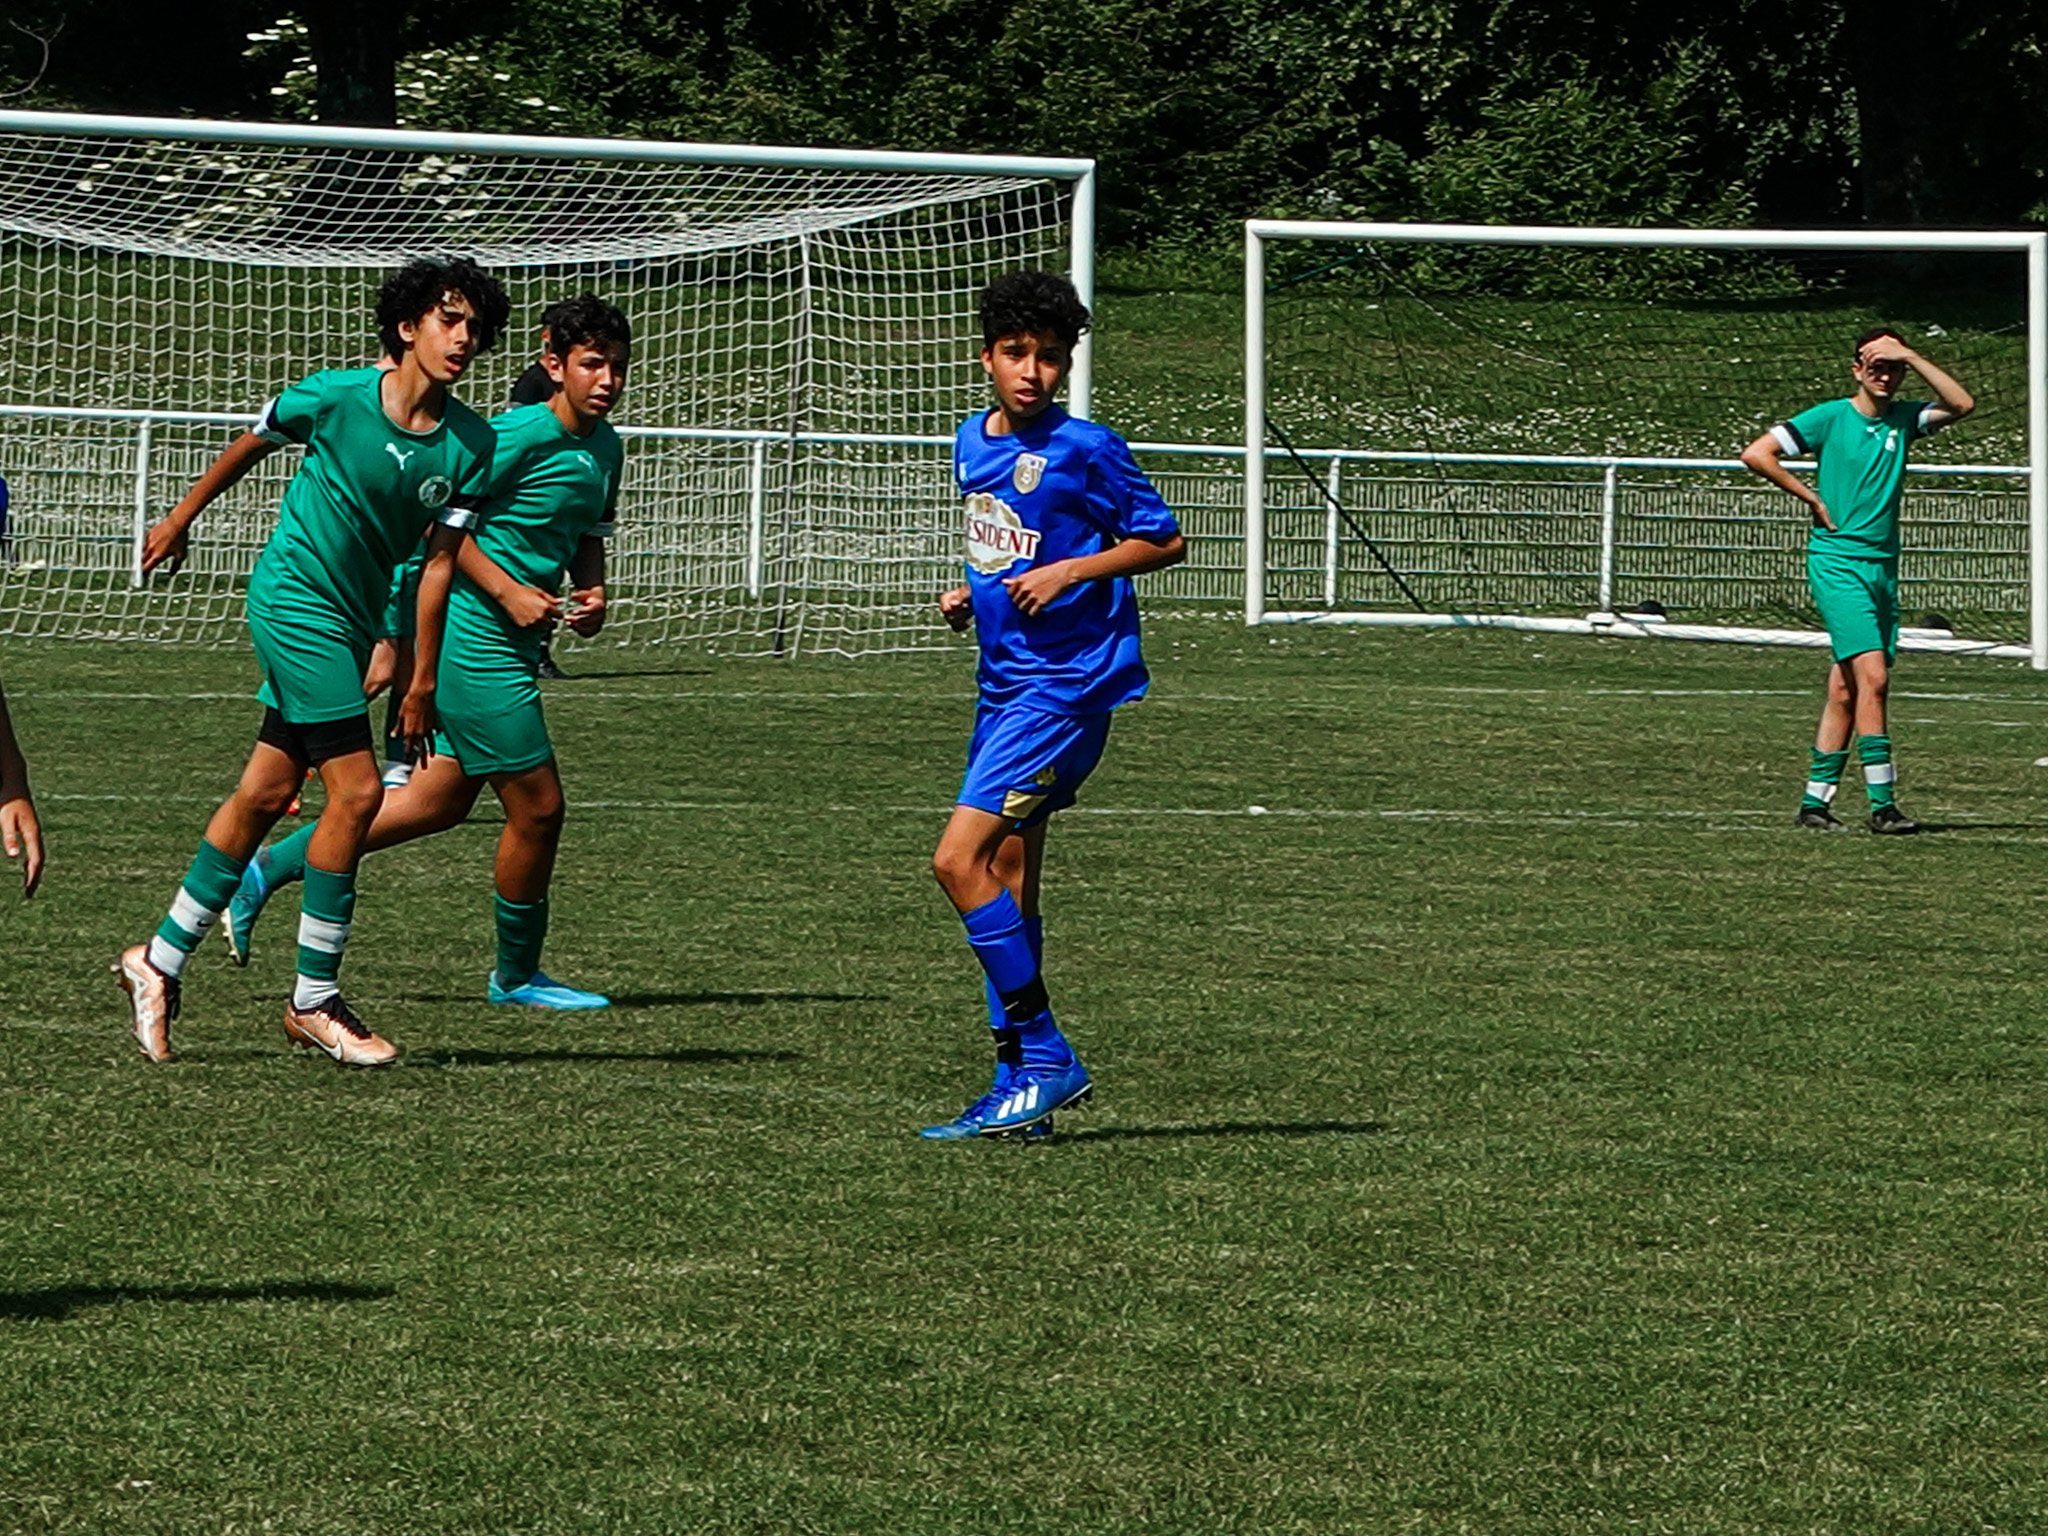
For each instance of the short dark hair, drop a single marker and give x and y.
(415, 288)
(584, 321)
(1020, 303)
(1873, 334)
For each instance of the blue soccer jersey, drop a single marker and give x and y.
(1060, 489)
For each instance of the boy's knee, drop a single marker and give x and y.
(356, 801)
(951, 868)
(267, 797)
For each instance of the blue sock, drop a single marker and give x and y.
(1009, 1045)
(1002, 943)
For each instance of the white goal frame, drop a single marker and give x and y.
(845, 469)
(2034, 246)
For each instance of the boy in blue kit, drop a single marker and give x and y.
(1059, 518)
(1852, 556)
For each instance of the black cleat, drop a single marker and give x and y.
(1890, 821)
(548, 669)
(1817, 818)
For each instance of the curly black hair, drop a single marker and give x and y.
(1018, 303)
(415, 288)
(583, 321)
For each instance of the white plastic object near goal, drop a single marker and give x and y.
(805, 338)
(1538, 428)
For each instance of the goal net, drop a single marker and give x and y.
(805, 338)
(1539, 427)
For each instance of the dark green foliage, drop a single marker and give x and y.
(1203, 112)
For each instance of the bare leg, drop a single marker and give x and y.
(270, 781)
(354, 792)
(436, 797)
(1838, 714)
(1872, 690)
(534, 812)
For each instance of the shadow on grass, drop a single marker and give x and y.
(61, 1301)
(1227, 1128)
(680, 999)
(1934, 828)
(462, 1058)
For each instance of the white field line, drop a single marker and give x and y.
(1475, 815)
(573, 690)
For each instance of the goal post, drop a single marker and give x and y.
(805, 325)
(1537, 427)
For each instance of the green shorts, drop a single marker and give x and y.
(489, 701)
(1858, 602)
(310, 676)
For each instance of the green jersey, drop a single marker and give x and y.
(366, 492)
(549, 490)
(1862, 471)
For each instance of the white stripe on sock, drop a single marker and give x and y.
(1821, 790)
(312, 991)
(167, 958)
(189, 915)
(1880, 773)
(318, 933)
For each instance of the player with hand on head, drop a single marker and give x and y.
(388, 453)
(548, 509)
(1059, 518)
(20, 832)
(1852, 555)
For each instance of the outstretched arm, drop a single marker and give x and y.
(1764, 457)
(20, 833)
(1039, 586)
(168, 542)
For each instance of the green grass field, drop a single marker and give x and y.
(1519, 1129)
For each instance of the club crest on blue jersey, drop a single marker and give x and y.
(996, 537)
(1029, 471)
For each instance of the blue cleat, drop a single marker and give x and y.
(972, 1122)
(543, 992)
(967, 1124)
(1032, 1099)
(238, 923)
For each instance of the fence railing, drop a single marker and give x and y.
(733, 520)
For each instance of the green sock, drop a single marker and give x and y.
(522, 929)
(208, 887)
(285, 860)
(1880, 776)
(325, 914)
(1823, 779)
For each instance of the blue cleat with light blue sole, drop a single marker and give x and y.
(971, 1121)
(544, 992)
(238, 923)
(1033, 1098)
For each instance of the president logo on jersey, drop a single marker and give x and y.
(996, 537)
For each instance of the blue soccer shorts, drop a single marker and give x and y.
(1023, 764)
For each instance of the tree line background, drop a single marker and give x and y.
(1201, 112)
